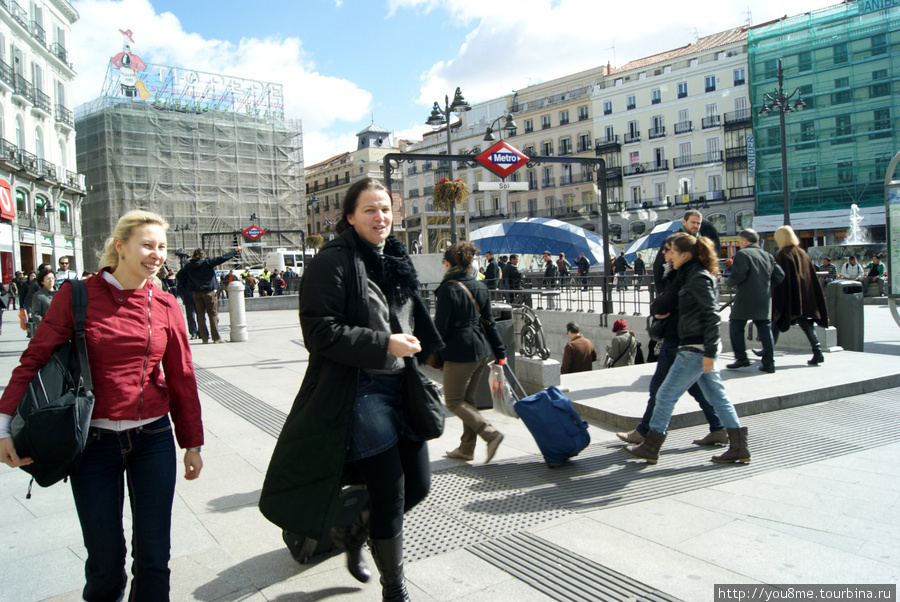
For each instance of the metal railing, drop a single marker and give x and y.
(64, 116)
(632, 137)
(711, 121)
(700, 159)
(6, 74)
(59, 51)
(683, 127)
(24, 88)
(656, 132)
(42, 102)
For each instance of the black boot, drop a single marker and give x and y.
(817, 357)
(388, 555)
(350, 540)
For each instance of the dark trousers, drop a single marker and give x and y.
(143, 459)
(397, 480)
(190, 313)
(666, 357)
(739, 346)
(206, 304)
(808, 328)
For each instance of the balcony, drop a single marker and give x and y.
(738, 153)
(711, 121)
(74, 180)
(64, 117)
(610, 144)
(566, 180)
(684, 127)
(738, 118)
(23, 90)
(23, 218)
(413, 193)
(630, 106)
(740, 82)
(548, 182)
(428, 166)
(57, 50)
(644, 168)
(565, 150)
(658, 132)
(532, 185)
(545, 125)
(42, 105)
(19, 14)
(42, 222)
(701, 159)
(37, 31)
(46, 170)
(740, 192)
(66, 228)
(412, 170)
(9, 154)
(682, 95)
(632, 137)
(7, 80)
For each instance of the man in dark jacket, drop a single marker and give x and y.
(640, 268)
(579, 354)
(754, 273)
(584, 266)
(491, 272)
(550, 270)
(201, 275)
(512, 278)
(183, 287)
(621, 264)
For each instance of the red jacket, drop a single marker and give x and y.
(132, 337)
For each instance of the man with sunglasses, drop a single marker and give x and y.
(64, 273)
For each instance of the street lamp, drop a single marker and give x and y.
(181, 229)
(509, 126)
(781, 102)
(439, 118)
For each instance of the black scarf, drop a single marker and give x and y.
(392, 271)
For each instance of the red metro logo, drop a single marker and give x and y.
(502, 159)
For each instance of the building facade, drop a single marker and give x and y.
(40, 188)
(843, 61)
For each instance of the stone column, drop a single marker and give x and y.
(237, 312)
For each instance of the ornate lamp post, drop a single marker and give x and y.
(781, 102)
(181, 229)
(439, 118)
(510, 126)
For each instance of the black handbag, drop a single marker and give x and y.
(52, 420)
(657, 329)
(423, 403)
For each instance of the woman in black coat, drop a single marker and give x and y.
(360, 314)
(464, 320)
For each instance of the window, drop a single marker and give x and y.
(655, 96)
(807, 131)
(710, 82)
(842, 93)
(587, 200)
(740, 77)
(806, 94)
(610, 132)
(717, 221)
(634, 134)
(607, 107)
(660, 193)
(684, 121)
(615, 231)
(563, 117)
(845, 172)
(682, 90)
(714, 188)
(684, 150)
(631, 102)
(582, 113)
(547, 149)
(808, 176)
(22, 201)
(634, 157)
(840, 53)
(547, 179)
(532, 207)
(744, 220)
(879, 44)
(545, 122)
(770, 69)
(883, 87)
(64, 217)
(529, 126)
(804, 61)
(657, 127)
(637, 228)
(40, 204)
(881, 122)
(635, 195)
(584, 143)
(565, 146)
(713, 149)
(842, 125)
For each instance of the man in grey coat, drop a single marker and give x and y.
(754, 273)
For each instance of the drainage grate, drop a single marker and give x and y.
(561, 574)
(253, 410)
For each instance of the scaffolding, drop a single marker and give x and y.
(207, 169)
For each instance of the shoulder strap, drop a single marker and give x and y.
(474, 302)
(627, 349)
(79, 311)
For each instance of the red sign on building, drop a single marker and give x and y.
(502, 159)
(253, 232)
(7, 207)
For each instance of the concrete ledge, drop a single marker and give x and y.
(266, 303)
(618, 397)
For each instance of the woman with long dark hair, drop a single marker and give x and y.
(40, 300)
(361, 315)
(464, 320)
(698, 331)
(799, 297)
(142, 372)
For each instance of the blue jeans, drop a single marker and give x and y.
(764, 327)
(143, 459)
(687, 370)
(666, 356)
(620, 281)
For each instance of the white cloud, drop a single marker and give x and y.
(319, 100)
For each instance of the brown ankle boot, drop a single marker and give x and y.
(719, 437)
(649, 449)
(631, 437)
(737, 450)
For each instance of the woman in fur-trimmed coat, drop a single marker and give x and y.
(361, 314)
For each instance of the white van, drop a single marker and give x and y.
(281, 259)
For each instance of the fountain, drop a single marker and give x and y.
(855, 243)
(858, 235)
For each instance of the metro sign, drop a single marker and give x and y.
(502, 159)
(253, 232)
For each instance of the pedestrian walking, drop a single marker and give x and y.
(621, 265)
(361, 314)
(142, 371)
(697, 264)
(623, 348)
(40, 301)
(584, 268)
(491, 272)
(464, 320)
(579, 354)
(200, 272)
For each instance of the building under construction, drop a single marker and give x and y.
(201, 153)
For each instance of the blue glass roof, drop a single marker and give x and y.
(536, 235)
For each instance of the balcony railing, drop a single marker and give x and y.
(6, 74)
(657, 132)
(428, 166)
(736, 153)
(18, 13)
(59, 51)
(46, 169)
(66, 228)
(607, 145)
(565, 180)
(37, 31)
(42, 102)
(701, 159)
(9, 153)
(64, 116)
(649, 167)
(740, 192)
(412, 169)
(565, 150)
(712, 121)
(23, 218)
(414, 193)
(740, 117)
(684, 127)
(23, 88)
(548, 182)
(42, 222)
(632, 137)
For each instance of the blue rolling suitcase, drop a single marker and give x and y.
(555, 425)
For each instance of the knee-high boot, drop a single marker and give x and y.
(350, 540)
(809, 329)
(388, 555)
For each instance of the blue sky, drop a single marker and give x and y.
(341, 61)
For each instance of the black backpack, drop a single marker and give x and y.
(51, 423)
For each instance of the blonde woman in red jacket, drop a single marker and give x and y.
(142, 373)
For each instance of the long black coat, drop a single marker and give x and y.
(800, 293)
(307, 469)
(754, 273)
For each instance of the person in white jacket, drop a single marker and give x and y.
(852, 270)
